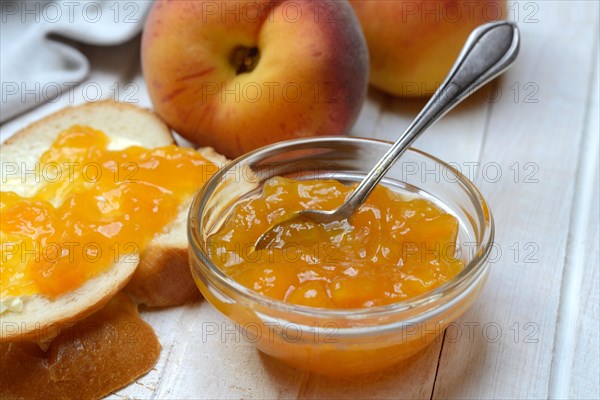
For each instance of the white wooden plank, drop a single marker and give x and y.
(455, 138)
(206, 357)
(584, 368)
(510, 353)
(366, 124)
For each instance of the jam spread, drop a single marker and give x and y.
(92, 207)
(391, 249)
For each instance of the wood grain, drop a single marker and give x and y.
(583, 363)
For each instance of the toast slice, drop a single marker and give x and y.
(165, 256)
(94, 357)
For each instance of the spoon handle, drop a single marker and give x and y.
(489, 51)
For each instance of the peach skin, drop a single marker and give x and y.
(237, 75)
(413, 43)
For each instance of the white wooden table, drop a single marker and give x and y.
(531, 144)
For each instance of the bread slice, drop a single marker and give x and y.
(163, 277)
(96, 356)
(166, 255)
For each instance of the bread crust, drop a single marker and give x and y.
(163, 278)
(67, 112)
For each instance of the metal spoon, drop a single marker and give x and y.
(489, 51)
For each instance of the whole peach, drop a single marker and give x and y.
(237, 75)
(413, 43)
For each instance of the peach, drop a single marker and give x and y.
(237, 75)
(413, 43)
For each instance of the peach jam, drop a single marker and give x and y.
(391, 249)
(97, 207)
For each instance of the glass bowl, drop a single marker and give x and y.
(341, 342)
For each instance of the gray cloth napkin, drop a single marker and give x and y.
(35, 67)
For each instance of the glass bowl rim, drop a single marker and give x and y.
(456, 286)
